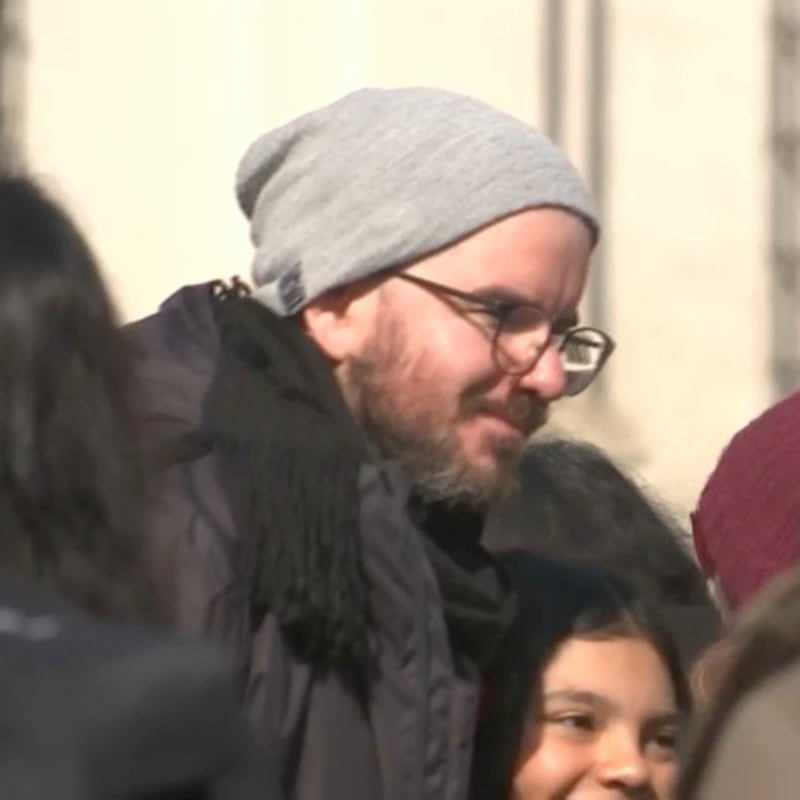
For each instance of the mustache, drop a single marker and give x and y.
(522, 410)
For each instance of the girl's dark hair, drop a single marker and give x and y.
(764, 640)
(575, 505)
(556, 603)
(69, 476)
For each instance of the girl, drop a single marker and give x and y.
(588, 698)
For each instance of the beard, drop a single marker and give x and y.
(409, 419)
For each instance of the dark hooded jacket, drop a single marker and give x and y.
(404, 730)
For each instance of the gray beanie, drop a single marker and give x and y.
(382, 178)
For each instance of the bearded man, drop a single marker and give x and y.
(327, 443)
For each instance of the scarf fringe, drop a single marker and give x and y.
(306, 569)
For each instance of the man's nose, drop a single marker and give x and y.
(546, 378)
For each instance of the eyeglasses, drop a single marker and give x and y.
(521, 332)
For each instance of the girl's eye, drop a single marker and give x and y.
(665, 743)
(577, 723)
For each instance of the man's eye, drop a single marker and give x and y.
(561, 327)
(493, 317)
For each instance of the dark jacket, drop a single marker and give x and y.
(99, 710)
(412, 737)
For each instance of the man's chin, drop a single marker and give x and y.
(504, 450)
(494, 473)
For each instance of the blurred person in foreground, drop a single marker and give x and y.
(328, 443)
(588, 699)
(747, 744)
(575, 505)
(94, 705)
(71, 482)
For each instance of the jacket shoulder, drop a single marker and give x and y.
(173, 353)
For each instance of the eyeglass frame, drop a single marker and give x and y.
(500, 311)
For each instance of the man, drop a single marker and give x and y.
(330, 441)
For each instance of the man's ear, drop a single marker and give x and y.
(341, 320)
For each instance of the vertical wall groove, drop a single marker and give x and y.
(784, 207)
(555, 89)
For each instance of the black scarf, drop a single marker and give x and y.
(289, 452)
(479, 603)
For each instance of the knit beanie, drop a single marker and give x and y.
(382, 178)
(747, 523)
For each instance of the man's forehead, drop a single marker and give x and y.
(551, 289)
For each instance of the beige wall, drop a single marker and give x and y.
(135, 120)
(138, 112)
(687, 233)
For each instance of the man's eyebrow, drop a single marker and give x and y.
(566, 321)
(503, 294)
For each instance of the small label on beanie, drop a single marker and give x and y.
(291, 289)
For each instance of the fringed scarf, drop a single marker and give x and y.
(289, 453)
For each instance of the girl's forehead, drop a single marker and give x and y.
(627, 670)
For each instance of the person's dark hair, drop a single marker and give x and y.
(69, 475)
(764, 640)
(556, 603)
(575, 505)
